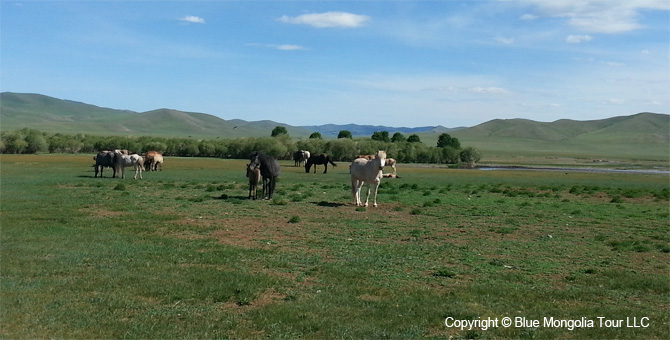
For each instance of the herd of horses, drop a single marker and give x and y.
(365, 169)
(118, 160)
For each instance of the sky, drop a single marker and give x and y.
(394, 63)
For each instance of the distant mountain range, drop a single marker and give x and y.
(44, 113)
(646, 135)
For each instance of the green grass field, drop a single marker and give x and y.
(182, 253)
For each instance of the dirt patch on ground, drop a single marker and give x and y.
(267, 297)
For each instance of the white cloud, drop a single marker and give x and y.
(192, 19)
(506, 41)
(328, 19)
(528, 17)
(289, 47)
(611, 16)
(576, 39)
(285, 47)
(488, 90)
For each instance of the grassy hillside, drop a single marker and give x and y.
(45, 113)
(641, 136)
(644, 136)
(19, 110)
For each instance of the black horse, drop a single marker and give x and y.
(319, 159)
(103, 159)
(270, 170)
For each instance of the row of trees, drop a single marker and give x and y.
(448, 150)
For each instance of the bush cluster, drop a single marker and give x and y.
(280, 146)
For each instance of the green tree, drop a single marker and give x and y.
(450, 155)
(344, 134)
(398, 137)
(343, 149)
(413, 138)
(446, 140)
(470, 156)
(206, 149)
(315, 135)
(279, 130)
(36, 141)
(14, 142)
(382, 136)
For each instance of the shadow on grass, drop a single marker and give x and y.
(329, 204)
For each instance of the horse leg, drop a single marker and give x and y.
(271, 186)
(265, 188)
(325, 170)
(359, 186)
(354, 190)
(375, 198)
(367, 197)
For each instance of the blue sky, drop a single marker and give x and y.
(394, 63)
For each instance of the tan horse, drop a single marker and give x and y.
(152, 159)
(254, 174)
(368, 172)
(389, 162)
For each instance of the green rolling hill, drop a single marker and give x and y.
(35, 111)
(643, 136)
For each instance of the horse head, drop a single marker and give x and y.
(381, 157)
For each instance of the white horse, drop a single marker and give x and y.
(367, 171)
(123, 161)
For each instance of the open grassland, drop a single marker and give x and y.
(183, 253)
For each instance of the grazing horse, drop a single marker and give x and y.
(103, 159)
(152, 159)
(319, 159)
(270, 170)
(254, 177)
(123, 161)
(368, 172)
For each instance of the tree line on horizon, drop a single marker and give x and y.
(280, 145)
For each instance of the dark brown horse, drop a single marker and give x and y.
(105, 159)
(270, 170)
(319, 159)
